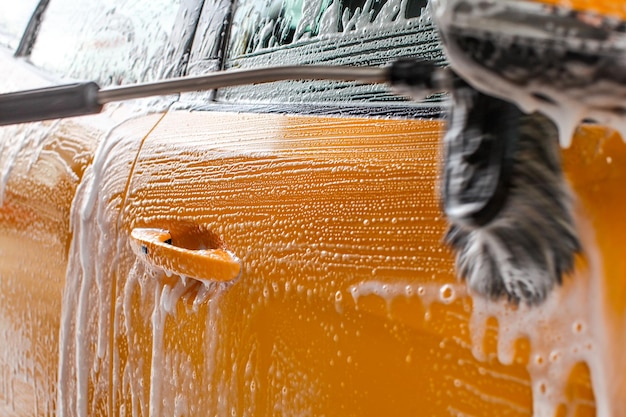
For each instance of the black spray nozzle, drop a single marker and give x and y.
(418, 79)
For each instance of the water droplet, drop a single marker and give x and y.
(446, 294)
(578, 327)
(543, 389)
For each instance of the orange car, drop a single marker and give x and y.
(274, 249)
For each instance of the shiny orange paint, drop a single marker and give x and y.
(34, 228)
(613, 8)
(35, 248)
(312, 206)
(596, 166)
(316, 207)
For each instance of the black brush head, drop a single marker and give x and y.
(508, 204)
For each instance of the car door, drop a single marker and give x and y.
(325, 194)
(43, 165)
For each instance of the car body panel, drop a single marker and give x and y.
(348, 300)
(286, 322)
(36, 246)
(35, 228)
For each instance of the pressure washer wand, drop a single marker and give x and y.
(88, 98)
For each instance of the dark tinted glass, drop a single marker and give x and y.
(263, 24)
(336, 32)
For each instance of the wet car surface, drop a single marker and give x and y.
(326, 194)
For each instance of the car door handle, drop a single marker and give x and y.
(156, 248)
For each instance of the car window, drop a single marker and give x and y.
(14, 18)
(115, 41)
(266, 24)
(338, 32)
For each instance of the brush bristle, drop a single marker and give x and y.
(532, 242)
